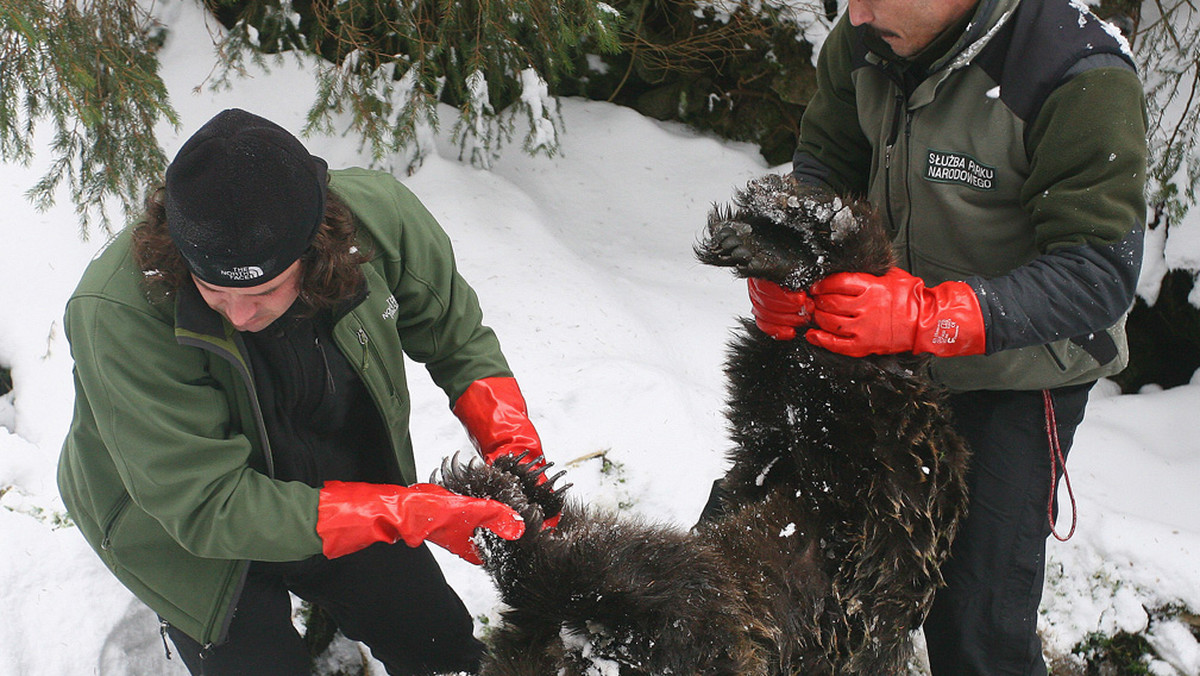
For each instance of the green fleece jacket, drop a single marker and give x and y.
(1011, 154)
(167, 469)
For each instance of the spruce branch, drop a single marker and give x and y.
(1171, 71)
(387, 65)
(87, 69)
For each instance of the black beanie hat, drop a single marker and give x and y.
(244, 199)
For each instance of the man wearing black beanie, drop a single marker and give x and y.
(241, 421)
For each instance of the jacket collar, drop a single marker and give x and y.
(198, 325)
(194, 316)
(988, 15)
(946, 52)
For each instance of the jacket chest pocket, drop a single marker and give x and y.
(376, 368)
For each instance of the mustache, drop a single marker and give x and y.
(881, 33)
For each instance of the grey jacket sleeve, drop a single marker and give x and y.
(1086, 196)
(1071, 292)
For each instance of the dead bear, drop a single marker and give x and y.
(844, 491)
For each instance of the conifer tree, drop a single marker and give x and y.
(388, 64)
(1167, 35)
(87, 70)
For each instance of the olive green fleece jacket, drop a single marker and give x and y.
(1011, 155)
(167, 469)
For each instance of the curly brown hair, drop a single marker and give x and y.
(330, 272)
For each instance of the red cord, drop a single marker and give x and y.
(1057, 460)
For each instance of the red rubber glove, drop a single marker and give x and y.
(494, 413)
(860, 314)
(778, 312)
(352, 515)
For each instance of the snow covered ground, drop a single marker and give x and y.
(584, 268)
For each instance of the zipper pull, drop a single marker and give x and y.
(362, 340)
(162, 631)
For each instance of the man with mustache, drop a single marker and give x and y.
(1004, 144)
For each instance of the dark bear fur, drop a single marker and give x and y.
(843, 495)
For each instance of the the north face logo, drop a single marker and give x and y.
(947, 167)
(945, 333)
(243, 273)
(393, 308)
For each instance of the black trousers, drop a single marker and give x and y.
(393, 598)
(985, 620)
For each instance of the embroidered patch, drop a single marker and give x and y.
(243, 273)
(392, 308)
(947, 167)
